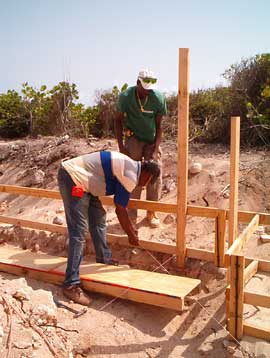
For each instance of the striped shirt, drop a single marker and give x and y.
(105, 173)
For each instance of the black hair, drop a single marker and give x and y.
(151, 167)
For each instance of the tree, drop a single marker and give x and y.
(106, 103)
(38, 104)
(63, 96)
(14, 120)
(250, 83)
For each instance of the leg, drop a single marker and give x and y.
(153, 190)
(135, 150)
(76, 216)
(97, 228)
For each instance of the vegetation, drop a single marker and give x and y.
(57, 110)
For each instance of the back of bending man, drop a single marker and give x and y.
(140, 110)
(81, 181)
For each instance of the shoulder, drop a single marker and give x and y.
(127, 93)
(157, 95)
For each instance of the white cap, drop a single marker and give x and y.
(148, 75)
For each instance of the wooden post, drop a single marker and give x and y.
(182, 173)
(220, 238)
(234, 175)
(236, 304)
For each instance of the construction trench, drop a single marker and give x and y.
(161, 289)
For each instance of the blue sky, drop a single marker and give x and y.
(97, 44)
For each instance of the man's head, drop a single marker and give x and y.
(146, 81)
(150, 171)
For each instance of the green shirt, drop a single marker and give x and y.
(143, 124)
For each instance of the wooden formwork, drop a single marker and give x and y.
(240, 268)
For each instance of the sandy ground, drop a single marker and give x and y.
(121, 328)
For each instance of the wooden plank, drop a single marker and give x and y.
(236, 305)
(220, 238)
(255, 331)
(237, 245)
(200, 254)
(182, 171)
(61, 229)
(142, 286)
(234, 176)
(250, 271)
(253, 299)
(200, 211)
(256, 299)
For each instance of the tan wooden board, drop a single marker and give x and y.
(164, 284)
(120, 281)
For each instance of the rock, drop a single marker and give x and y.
(169, 185)
(226, 195)
(169, 219)
(60, 210)
(195, 168)
(38, 177)
(229, 346)
(58, 220)
(21, 295)
(43, 314)
(35, 248)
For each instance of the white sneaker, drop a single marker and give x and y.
(153, 220)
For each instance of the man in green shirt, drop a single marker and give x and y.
(140, 110)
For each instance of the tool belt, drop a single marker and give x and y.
(129, 132)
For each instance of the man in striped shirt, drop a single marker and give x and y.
(81, 181)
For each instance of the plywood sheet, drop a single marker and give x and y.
(120, 281)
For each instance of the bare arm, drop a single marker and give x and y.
(127, 226)
(118, 128)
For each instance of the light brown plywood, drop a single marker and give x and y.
(137, 285)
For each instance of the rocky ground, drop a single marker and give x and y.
(120, 328)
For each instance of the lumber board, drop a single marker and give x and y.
(253, 298)
(256, 299)
(234, 177)
(200, 254)
(182, 167)
(255, 331)
(119, 281)
(236, 306)
(200, 211)
(237, 245)
(220, 231)
(250, 271)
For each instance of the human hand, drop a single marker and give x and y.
(133, 238)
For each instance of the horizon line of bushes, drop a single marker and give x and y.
(56, 111)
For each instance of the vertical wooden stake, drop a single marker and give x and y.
(234, 176)
(182, 173)
(236, 304)
(220, 238)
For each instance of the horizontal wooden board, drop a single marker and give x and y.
(120, 281)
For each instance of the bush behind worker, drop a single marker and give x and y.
(140, 110)
(81, 181)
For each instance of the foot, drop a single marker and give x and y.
(153, 220)
(76, 294)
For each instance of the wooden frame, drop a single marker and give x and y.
(240, 274)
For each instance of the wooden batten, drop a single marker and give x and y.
(256, 299)
(200, 254)
(237, 245)
(250, 271)
(200, 211)
(182, 171)
(234, 176)
(254, 331)
(236, 296)
(220, 232)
